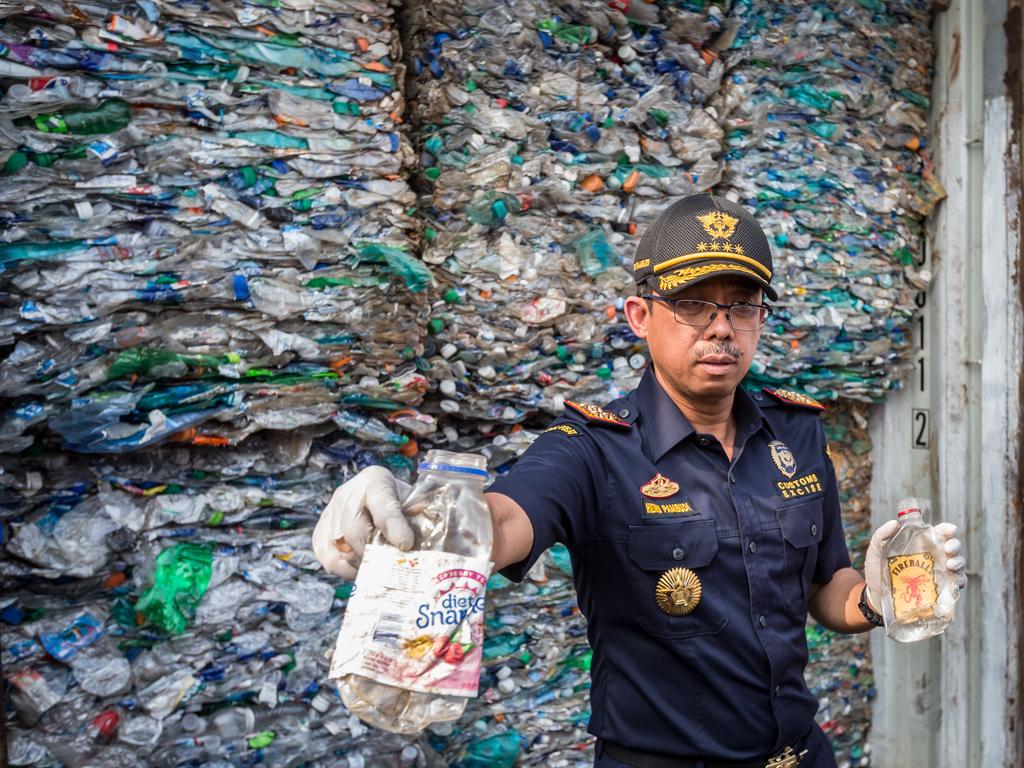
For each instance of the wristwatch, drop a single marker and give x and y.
(865, 608)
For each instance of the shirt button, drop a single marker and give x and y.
(762, 621)
(704, 441)
(814, 529)
(752, 546)
(732, 477)
(678, 553)
(758, 396)
(778, 691)
(624, 413)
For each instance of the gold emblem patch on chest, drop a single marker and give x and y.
(678, 591)
(659, 487)
(784, 460)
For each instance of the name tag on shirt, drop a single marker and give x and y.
(657, 510)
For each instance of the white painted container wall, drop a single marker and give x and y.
(955, 433)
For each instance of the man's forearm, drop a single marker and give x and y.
(834, 604)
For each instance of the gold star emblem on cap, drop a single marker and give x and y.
(727, 247)
(739, 249)
(702, 246)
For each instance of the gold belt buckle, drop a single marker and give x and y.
(788, 759)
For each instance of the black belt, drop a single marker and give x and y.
(789, 758)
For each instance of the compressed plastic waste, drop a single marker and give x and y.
(839, 670)
(222, 295)
(204, 217)
(825, 109)
(549, 135)
(211, 297)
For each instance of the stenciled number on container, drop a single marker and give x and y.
(922, 425)
(920, 417)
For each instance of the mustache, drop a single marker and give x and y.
(711, 349)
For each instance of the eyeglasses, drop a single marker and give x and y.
(743, 315)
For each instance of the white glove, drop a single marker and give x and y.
(370, 501)
(955, 562)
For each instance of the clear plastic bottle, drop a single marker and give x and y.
(447, 512)
(920, 595)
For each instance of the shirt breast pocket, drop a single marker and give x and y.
(801, 526)
(655, 550)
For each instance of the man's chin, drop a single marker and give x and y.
(716, 388)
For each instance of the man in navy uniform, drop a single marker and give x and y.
(703, 520)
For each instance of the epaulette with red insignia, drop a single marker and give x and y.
(597, 414)
(795, 398)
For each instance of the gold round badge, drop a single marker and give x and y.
(678, 591)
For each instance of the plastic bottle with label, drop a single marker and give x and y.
(919, 594)
(447, 512)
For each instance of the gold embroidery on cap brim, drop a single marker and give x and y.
(712, 254)
(689, 274)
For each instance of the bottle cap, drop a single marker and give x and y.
(909, 507)
(448, 461)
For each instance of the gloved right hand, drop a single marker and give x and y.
(370, 501)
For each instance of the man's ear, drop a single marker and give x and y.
(638, 313)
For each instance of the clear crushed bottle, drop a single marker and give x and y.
(920, 594)
(411, 643)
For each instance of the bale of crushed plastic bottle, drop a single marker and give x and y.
(824, 108)
(211, 314)
(547, 137)
(222, 298)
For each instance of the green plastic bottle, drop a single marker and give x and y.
(110, 116)
(181, 579)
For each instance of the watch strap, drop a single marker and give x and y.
(866, 609)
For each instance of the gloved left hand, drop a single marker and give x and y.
(956, 564)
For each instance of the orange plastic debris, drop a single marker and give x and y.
(211, 440)
(184, 436)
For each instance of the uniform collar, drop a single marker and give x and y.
(665, 426)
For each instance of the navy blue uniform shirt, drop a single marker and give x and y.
(725, 681)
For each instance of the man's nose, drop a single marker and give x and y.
(719, 327)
